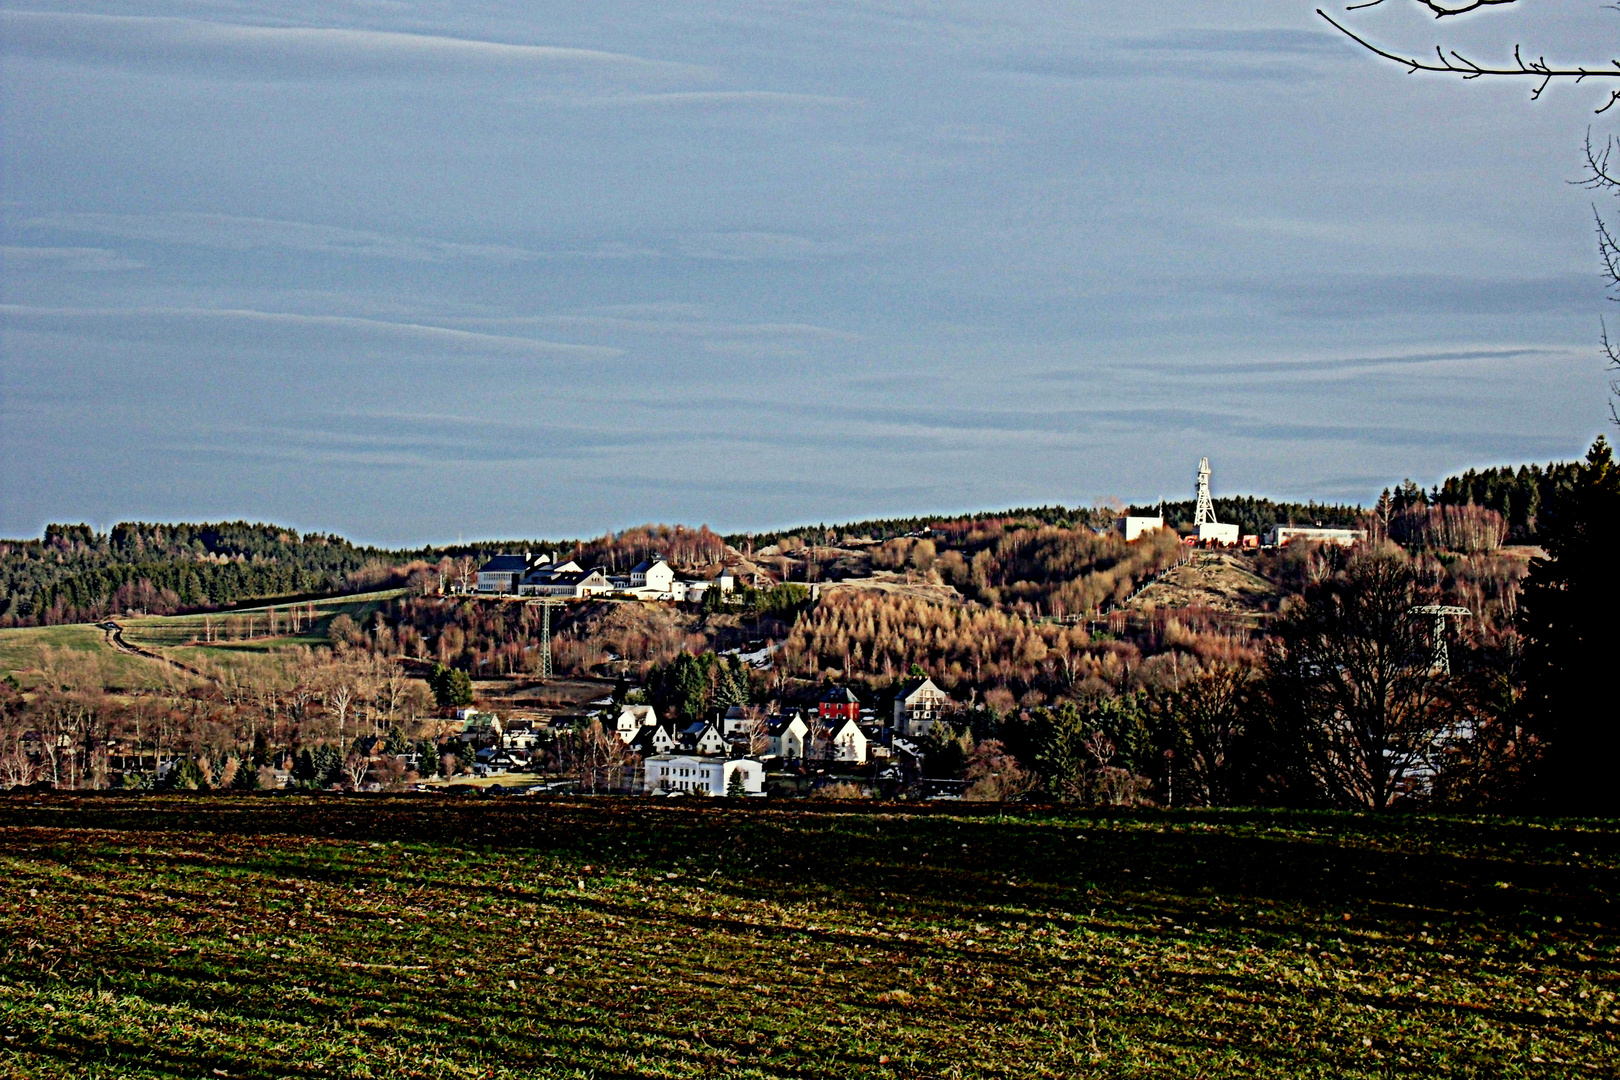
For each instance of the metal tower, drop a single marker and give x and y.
(1205, 512)
(1442, 659)
(545, 607)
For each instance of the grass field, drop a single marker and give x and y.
(22, 648)
(167, 632)
(487, 937)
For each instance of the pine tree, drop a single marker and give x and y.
(1567, 613)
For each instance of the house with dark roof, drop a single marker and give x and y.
(841, 739)
(788, 733)
(657, 739)
(702, 738)
(838, 703)
(918, 707)
(567, 580)
(501, 574)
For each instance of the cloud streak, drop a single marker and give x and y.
(236, 50)
(446, 340)
(231, 233)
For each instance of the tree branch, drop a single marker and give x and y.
(1454, 63)
(1440, 10)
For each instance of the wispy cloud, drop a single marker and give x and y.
(758, 247)
(237, 50)
(1284, 41)
(439, 339)
(232, 233)
(714, 99)
(71, 259)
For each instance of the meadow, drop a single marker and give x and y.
(488, 936)
(24, 651)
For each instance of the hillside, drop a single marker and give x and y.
(1219, 581)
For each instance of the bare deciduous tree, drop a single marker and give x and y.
(598, 757)
(1353, 686)
(355, 767)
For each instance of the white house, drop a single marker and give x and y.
(632, 718)
(567, 580)
(700, 775)
(654, 576)
(520, 735)
(843, 741)
(703, 738)
(1224, 533)
(918, 707)
(788, 733)
(658, 739)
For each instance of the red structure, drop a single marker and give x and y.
(838, 703)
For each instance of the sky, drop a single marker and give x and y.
(419, 271)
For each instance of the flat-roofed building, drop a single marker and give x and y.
(1132, 526)
(1278, 535)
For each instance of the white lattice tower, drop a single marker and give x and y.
(1205, 513)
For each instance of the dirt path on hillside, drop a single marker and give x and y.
(115, 637)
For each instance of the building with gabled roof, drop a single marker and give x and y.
(842, 739)
(702, 738)
(918, 707)
(632, 719)
(838, 703)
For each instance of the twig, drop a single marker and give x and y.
(1454, 63)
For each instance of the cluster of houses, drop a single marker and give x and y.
(837, 730)
(730, 754)
(541, 576)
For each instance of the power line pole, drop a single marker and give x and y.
(1442, 658)
(545, 607)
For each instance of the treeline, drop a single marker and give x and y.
(1253, 515)
(889, 528)
(1518, 495)
(76, 574)
(619, 552)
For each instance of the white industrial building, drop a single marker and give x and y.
(1132, 527)
(700, 775)
(1278, 535)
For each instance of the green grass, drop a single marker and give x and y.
(24, 649)
(488, 937)
(168, 632)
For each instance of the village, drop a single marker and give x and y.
(832, 737)
(746, 750)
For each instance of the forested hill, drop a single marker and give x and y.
(1253, 515)
(75, 573)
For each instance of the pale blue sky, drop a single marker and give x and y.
(410, 271)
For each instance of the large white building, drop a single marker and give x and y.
(1278, 535)
(700, 775)
(1131, 526)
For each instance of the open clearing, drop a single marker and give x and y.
(1216, 580)
(437, 936)
(23, 649)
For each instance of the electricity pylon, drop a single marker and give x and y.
(545, 607)
(1442, 659)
